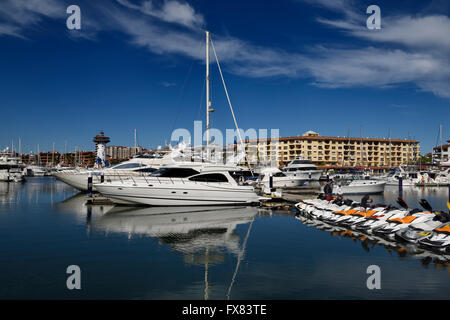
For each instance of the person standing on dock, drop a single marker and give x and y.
(328, 191)
(365, 201)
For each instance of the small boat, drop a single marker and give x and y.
(10, 169)
(273, 177)
(360, 185)
(409, 178)
(36, 171)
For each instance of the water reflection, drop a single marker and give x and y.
(33, 191)
(436, 196)
(203, 235)
(369, 242)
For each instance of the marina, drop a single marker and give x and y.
(209, 152)
(200, 252)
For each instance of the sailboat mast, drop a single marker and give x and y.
(208, 102)
(390, 153)
(361, 146)
(442, 151)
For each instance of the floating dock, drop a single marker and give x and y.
(97, 199)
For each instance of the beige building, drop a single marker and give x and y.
(122, 152)
(335, 152)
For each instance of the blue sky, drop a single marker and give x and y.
(292, 65)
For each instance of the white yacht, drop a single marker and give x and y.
(35, 171)
(184, 184)
(279, 179)
(10, 168)
(137, 166)
(409, 178)
(443, 178)
(303, 169)
(359, 185)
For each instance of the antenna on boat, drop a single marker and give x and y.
(442, 151)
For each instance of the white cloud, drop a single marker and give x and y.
(406, 57)
(376, 67)
(17, 15)
(170, 11)
(408, 49)
(417, 33)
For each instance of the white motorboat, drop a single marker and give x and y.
(303, 169)
(36, 171)
(408, 178)
(137, 166)
(10, 169)
(184, 184)
(360, 186)
(275, 178)
(441, 178)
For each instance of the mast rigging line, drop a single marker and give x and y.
(229, 101)
(240, 255)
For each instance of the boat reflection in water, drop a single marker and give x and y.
(38, 190)
(204, 235)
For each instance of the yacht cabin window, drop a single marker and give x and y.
(210, 177)
(174, 172)
(145, 170)
(128, 166)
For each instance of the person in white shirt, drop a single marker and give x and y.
(339, 192)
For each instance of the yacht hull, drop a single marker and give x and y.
(179, 195)
(305, 175)
(371, 188)
(79, 180)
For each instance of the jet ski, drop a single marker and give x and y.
(423, 230)
(398, 223)
(362, 215)
(379, 219)
(440, 239)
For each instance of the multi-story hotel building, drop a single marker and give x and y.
(334, 152)
(122, 152)
(441, 153)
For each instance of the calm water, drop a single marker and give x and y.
(197, 253)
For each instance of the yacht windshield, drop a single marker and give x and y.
(302, 162)
(128, 166)
(279, 174)
(302, 169)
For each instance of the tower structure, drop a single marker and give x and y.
(100, 147)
